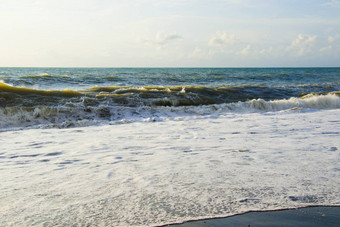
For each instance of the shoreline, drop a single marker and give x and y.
(315, 215)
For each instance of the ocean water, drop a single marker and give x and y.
(154, 146)
(61, 97)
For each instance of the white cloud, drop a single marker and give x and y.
(332, 3)
(267, 51)
(303, 44)
(199, 53)
(162, 39)
(221, 39)
(333, 44)
(327, 48)
(245, 51)
(332, 39)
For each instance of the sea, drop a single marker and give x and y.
(159, 146)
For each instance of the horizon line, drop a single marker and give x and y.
(174, 67)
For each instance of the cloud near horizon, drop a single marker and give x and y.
(303, 45)
(162, 39)
(222, 39)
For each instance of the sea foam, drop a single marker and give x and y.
(154, 173)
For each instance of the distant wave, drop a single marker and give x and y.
(30, 91)
(44, 75)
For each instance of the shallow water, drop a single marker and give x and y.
(309, 216)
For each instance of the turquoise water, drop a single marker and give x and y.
(82, 78)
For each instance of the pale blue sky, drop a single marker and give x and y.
(164, 33)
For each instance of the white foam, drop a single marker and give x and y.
(152, 173)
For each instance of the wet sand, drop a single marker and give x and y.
(310, 216)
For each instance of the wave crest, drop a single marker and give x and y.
(330, 100)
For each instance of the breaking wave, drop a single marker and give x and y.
(151, 95)
(26, 107)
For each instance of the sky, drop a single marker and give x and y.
(169, 33)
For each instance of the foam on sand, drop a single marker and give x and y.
(153, 173)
